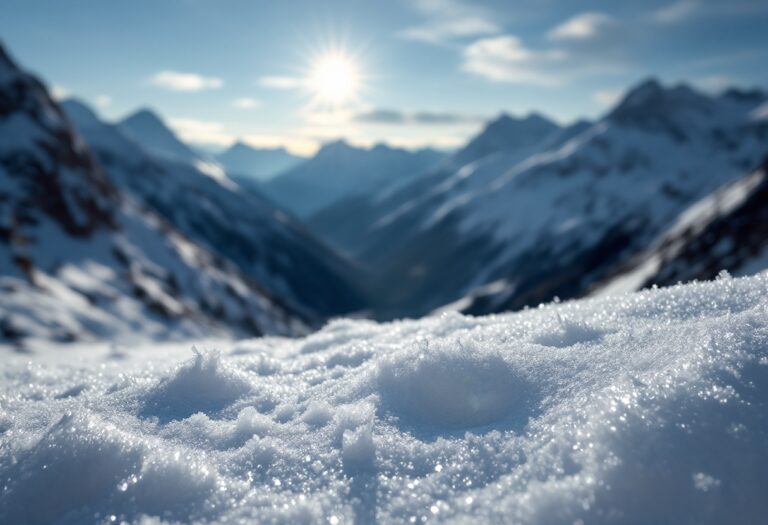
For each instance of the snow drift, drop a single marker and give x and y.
(643, 408)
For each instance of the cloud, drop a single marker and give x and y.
(714, 83)
(676, 12)
(449, 19)
(608, 97)
(585, 26)
(103, 101)
(201, 131)
(505, 59)
(59, 92)
(296, 144)
(683, 10)
(282, 82)
(391, 116)
(246, 103)
(177, 81)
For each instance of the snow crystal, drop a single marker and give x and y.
(642, 408)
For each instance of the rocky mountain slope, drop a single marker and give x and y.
(726, 230)
(80, 260)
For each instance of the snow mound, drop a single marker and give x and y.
(642, 408)
(201, 385)
(457, 387)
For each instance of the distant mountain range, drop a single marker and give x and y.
(210, 208)
(340, 170)
(529, 211)
(259, 164)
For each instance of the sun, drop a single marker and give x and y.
(334, 79)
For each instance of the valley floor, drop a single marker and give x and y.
(643, 408)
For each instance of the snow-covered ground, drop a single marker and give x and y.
(643, 408)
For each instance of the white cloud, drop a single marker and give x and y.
(103, 101)
(246, 103)
(608, 97)
(201, 131)
(298, 145)
(282, 82)
(59, 92)
(177, 81)
(714, 83)
(449, 19)
(585, 26)
(676, 12)
(506, 59)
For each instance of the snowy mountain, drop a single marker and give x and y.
(256, 163)
(504, 141)
(260, 239)
(79, 260)
(727, 230)
(506, 134)
(148, 130)
(646, 408)
(340, 170)
(508, 230)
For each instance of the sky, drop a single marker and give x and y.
(411, 73)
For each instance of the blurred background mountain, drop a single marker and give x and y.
(120, 230)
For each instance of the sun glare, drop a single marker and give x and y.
(334, 79)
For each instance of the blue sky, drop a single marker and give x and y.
(430, 70)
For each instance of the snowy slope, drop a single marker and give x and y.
(256, 163)
(340, 170)
(80, 261)
(509, 233)
(263, 241)
(727, 230)
(645, 408)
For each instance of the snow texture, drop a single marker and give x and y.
(643, 408)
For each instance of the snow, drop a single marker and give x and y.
(692, 221)
(642, 408)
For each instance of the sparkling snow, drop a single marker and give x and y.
(643, 408)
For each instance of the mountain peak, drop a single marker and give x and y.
(79, 112)
(505, 134)
(149, 130)
(335, 147)
(7, 66)
(242, 146)
(651, 101)
(144, 116)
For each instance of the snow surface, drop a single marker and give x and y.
(643, 408)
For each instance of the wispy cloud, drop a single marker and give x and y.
(608, 97)
(505, 59)
(676, 11)
(246, 103)
(585, 26)
(59, 92)
(681, 11)
(178, 81)
(103, 101)
(714, 83)
(201, 131)
(282, 82)
(395, 117)
(449, 19)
